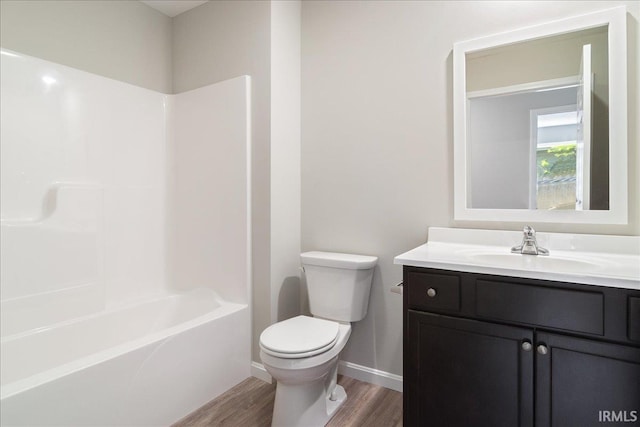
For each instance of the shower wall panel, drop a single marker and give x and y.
(83, 171)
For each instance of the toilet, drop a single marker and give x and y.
(301, 353)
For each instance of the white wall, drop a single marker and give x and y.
(285, 159)
(124, 40)
(377, 149)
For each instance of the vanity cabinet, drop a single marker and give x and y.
(460, 371)
(483, 350)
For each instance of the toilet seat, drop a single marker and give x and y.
(299, 337)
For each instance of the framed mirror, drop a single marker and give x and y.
(540, 123)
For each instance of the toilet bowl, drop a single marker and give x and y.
(307, 393)
(301, 353)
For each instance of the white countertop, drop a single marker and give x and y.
(602, 260)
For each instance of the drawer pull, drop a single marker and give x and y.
(431, 292)
(526, 346)
(542, 349)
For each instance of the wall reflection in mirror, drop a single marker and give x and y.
(538, 123)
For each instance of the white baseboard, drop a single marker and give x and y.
(370, 375)
(258, 371)
(359, 372)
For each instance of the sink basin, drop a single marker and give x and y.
(536, 262)
(599, 260)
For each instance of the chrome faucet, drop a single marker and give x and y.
(529, 245)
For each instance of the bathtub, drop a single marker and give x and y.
(144, 364)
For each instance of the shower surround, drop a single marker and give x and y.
(125, 246)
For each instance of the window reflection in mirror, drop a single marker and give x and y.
(554, 145)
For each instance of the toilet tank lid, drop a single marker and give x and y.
(338, 260)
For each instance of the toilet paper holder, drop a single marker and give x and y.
(397, 289)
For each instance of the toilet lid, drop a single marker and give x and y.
(300, 336)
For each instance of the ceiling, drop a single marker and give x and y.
(173, 8)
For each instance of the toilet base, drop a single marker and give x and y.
(307, 390)
(333, 405)
(308, 406)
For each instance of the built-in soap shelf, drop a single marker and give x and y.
(64, 202)
(59, 251)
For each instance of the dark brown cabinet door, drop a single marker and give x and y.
(461, 372)
(585, 383)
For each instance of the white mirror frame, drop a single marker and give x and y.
(615, 19)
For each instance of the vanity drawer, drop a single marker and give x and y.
(634, 318)
(567, 309)
(429, 291)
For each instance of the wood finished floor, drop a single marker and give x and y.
(250, 404)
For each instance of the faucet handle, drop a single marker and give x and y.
(529, 231)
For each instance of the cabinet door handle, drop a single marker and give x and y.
(542, 349)
(431, 292)
(526, 346)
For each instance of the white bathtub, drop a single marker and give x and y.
(147, 364)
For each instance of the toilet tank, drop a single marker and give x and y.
(338, 284)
